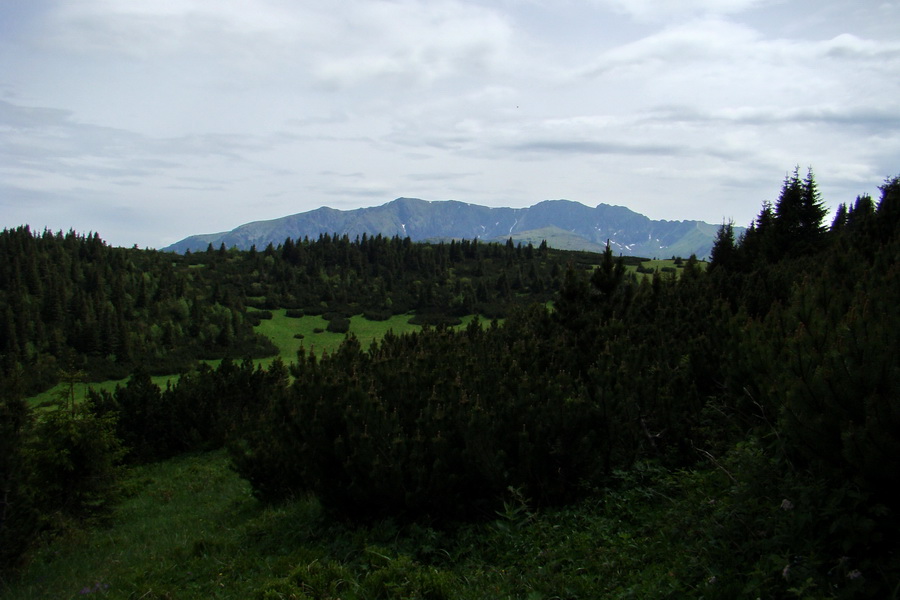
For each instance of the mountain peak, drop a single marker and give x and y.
(563, 223)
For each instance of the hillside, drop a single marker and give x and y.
(563, 223)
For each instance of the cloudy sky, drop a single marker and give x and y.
(150, 120)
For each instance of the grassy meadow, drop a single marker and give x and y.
(283, 332)
(189, 528)
(664, 266)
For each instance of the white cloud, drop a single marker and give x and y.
(848, 46)
(663, 10)
(710, 40)
(414, 43)
(343, 44)
(220, 112)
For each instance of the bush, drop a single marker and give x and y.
(492, 310)
(377, 314)
(73, 460)
(255, 316)
(339, 325)
(435, 320)
(315, 309)
(76, 462)
(294, 313)
(260, 302)
(787, 533)
(384, 578)
(18, 517)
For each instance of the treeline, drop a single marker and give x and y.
(381, 276)
(71, 302)
(817, 312)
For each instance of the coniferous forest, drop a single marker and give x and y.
(742, 415)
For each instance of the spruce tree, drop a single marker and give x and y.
(799, 212)
(723, 253)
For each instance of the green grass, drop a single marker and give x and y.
(282, 329)
(660, 264)
(174, 537)
(191, 529)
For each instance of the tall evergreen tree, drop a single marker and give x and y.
(723, 253)
(756, 243)
(889, 208)
(799, 212)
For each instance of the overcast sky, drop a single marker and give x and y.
(150, 120)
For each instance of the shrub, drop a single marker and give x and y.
(18, 517)
(255, 316)
(401, 577)
(377, 314)
(435, 320)
(315, 309)
(383, 578)
(339, 325)
(75, 460)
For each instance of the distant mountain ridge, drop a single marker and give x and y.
(562, 223)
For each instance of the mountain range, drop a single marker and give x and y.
(564, 224)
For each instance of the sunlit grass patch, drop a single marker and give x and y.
(310, 332)
(669, 266)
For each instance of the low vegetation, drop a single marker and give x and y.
(190, 528)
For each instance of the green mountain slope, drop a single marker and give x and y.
(563, 223)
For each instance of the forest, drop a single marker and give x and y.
(742, 415)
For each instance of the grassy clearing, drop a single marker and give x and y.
(666, 266)
(282, 331)
(191, 529)
(174, 537)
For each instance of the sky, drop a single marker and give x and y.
(147, 121)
